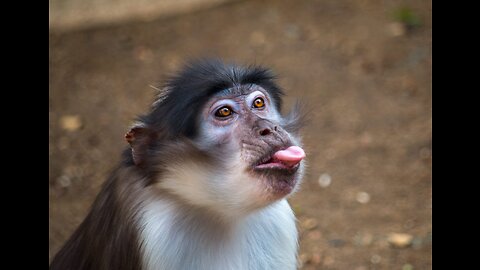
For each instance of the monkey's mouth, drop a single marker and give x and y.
(278, 170)
(285, 160)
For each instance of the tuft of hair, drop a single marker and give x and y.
(176, 109)
(298, 117)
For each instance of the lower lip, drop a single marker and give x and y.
(276, 165)
(273, 165)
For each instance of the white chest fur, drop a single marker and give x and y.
(266, 239)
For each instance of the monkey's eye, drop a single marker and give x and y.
(223, 112)
(258, 103)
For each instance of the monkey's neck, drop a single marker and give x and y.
(175, 236)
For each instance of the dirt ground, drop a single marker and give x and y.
(367, 80)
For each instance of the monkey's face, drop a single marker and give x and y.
(215, 138)
(257, 160)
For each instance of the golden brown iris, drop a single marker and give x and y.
(223, 112)
(258, 103)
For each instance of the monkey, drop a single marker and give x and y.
(203, 181)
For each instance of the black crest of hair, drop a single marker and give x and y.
(189, 89)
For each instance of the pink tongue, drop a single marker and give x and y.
(290, 156)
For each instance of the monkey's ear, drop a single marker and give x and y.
(140, 138)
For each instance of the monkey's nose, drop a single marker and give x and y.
(265, 127)
(265, 131)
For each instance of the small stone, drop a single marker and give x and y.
(64, 181)
(363, 197)
(309, 224)
(407, 266)
(70, 122)
(324, 180)
(375, 259)
(400, 240)
(397, 29)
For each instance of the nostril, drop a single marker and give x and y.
(265, 132)
(275, 128)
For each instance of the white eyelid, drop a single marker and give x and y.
(250, 98)
(223, 103)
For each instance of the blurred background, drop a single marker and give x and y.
(364, 67)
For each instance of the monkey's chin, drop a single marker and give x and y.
(279, 180)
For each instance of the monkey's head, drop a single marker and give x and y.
(215, 138)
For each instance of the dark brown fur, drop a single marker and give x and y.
(107, 238)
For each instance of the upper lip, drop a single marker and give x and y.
(269, 155)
